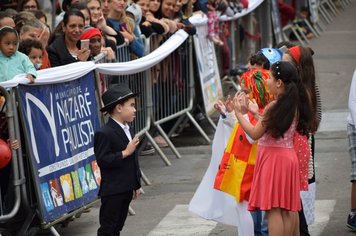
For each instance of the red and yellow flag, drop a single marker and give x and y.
(236, 169)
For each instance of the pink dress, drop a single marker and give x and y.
(276, 181)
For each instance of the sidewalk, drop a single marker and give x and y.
(162, 210)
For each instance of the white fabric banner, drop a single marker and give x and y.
(76, 70)
(212, 204)
(201, 19)
(145, 62)
(54, 75)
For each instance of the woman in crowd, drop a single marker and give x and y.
(66, 48)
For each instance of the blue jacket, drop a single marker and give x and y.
(18, 63)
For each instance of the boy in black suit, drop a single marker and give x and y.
(114, 147)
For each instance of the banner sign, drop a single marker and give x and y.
(208, 68)
(59, 123)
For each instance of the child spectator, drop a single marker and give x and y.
(115, 151)
(13, 62)
(147, 28)
(135, 14)
(166, 14)
(304, 14)
(34, 50)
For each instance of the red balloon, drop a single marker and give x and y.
(5, 154)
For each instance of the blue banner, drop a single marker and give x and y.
(59, 124)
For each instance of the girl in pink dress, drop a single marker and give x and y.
(276, 186)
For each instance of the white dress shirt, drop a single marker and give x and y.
(126, 129)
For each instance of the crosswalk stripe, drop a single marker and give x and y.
(179, 221)
(333, 121)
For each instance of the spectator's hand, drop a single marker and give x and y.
(101, 24)
(131, 147)
(180, 25)
(109, 53)
(229, 104)
(136, 194)
(14, 144)
(146, 23)
(44, 36)
(30, 78)
(127, 35)
(83, 54)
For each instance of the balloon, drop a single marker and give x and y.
(5, 154)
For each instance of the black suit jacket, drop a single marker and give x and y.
(118, 175)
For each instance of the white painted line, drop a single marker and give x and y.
(323, 209)
(180, 221)
(333, 121)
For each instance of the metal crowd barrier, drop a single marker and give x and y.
(8, 209)
(166, 92)
(173, 92)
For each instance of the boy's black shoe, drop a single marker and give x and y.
(351, 221)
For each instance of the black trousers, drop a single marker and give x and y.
(113, 213)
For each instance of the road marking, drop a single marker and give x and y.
(323, 209)
(333, 121)
(180, 221)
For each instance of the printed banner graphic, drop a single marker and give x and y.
(208, 68)
(59, 125)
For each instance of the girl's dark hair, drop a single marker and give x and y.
(22, 3)
(27, 45)
(72, 12)
(290, 103)
(261, 60)
(5, 30)
(306, 72)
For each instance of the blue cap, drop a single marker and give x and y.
(272, 54)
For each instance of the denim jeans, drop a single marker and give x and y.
(260, 223)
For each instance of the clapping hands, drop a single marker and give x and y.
(241, 103)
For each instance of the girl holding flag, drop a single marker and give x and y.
(275, 187)
(231, 208)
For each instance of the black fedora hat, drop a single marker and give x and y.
(114, 95)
